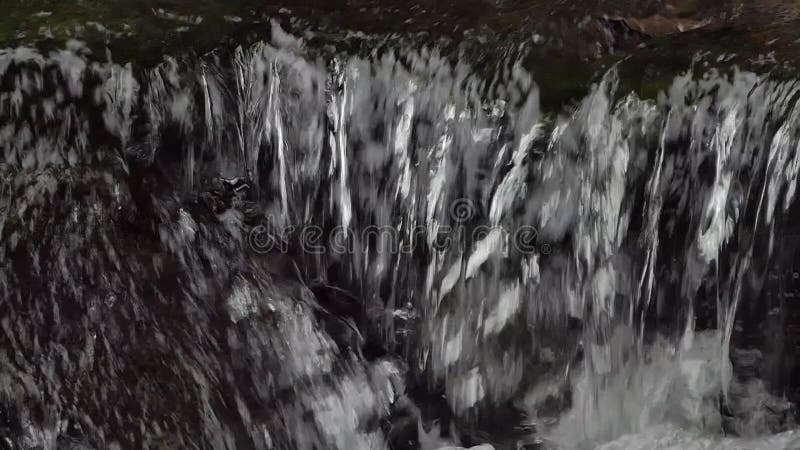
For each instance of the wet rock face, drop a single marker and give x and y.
(118, 336)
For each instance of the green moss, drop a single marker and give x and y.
(132, 30)
(564, 63)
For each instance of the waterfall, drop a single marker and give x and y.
(508, 254)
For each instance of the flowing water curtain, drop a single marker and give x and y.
(707, 176)
(728, 130)
(211, 84)
(251, 70)
(121, 91)
(40, 103)
(469, 144)
(381, 113)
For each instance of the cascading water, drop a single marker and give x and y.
(262, 249)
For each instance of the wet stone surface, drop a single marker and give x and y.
(164, 334)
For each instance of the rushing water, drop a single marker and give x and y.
(282, 247)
